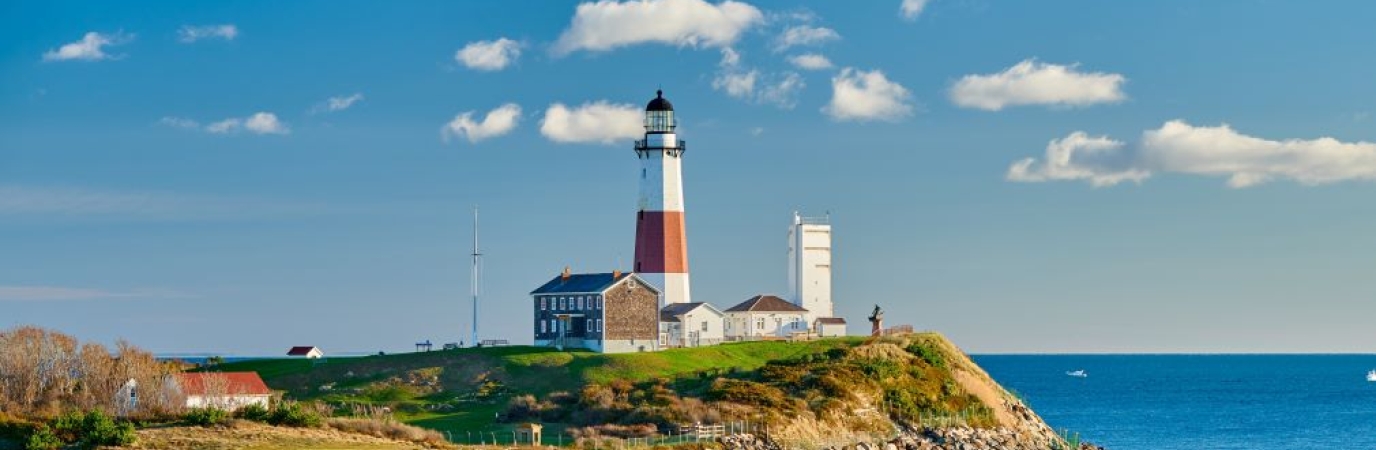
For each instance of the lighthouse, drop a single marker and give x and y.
(661, 245)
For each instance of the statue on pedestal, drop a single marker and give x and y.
(877, 320)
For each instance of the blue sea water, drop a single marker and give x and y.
(1226, 402)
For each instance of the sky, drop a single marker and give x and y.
(1025, 177)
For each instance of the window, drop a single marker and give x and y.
(543, 300)
(589, 325)
(704, 325)
(562, 302)
(580, 302)
(599, 324)
(543, 325)
(759, 324)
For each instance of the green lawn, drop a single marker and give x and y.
(520, 370)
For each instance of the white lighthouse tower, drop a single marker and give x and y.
(809, 265)
(661, 245)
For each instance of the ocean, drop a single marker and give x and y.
(1225, 402)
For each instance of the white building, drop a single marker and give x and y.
(307, 352)
(228, 391)
(829, 326)
(690, 325)
(765, 317)
(809, 265)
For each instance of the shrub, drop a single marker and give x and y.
(68, 427)
(254, 412)
(101, 430)
(927, 353)
(748, 393)
(43, 438)
(205, 417)
(294, 415)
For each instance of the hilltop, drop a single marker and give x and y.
(912, 390)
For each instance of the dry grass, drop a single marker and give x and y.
(243, 435)
(389, 429)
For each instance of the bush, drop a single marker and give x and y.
(294, 415)
(43, 438)
(205, 417)
(254, 412)
(931, 355)
(101, 430)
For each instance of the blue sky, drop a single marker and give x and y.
(180, 178)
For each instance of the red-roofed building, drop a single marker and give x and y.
(223, 390)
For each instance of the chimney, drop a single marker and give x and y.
(566, 274)
(616, 274)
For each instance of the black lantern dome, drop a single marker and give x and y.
(659, 103)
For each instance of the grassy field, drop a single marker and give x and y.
(462, 391)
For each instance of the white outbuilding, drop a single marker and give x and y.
(227, 391)
(765, 317)
(694, 324)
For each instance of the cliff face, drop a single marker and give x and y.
(900, 410)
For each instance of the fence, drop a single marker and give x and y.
(683, 434)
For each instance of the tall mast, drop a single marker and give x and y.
(477, 276)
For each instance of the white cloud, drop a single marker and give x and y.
(599, 122)
(91, 47)
(1247, 161)
(783, 91)
(910, 9)
(810, 61)
(729, 57)
(609, 24)
(489, 55)
(260, 123)
(736, 83)
(804, 35)
(56, 293)
(337, 103)
(1036, 83)
(225, 126)
(777, 89)
(861, 96)
(188, 34)
(1178, 147)
(1079, 156)
(497, 122)
(265, 123)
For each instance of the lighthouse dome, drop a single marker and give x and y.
(659, 103)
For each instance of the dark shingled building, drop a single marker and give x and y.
(605, 312)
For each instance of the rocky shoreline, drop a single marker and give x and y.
(952, 438)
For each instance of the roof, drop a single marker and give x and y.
(831, 320)
(301, 350)
(229, 383)
(670, 312)
(580, 282)
(769, 303)
(659, 103)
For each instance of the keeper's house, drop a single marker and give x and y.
(604, 312)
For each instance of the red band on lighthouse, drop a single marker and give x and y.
(660, 243)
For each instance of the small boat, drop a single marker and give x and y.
(1081, 373)
(1371, 376)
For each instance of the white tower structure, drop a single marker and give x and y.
(661, 246)
(809, 265)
